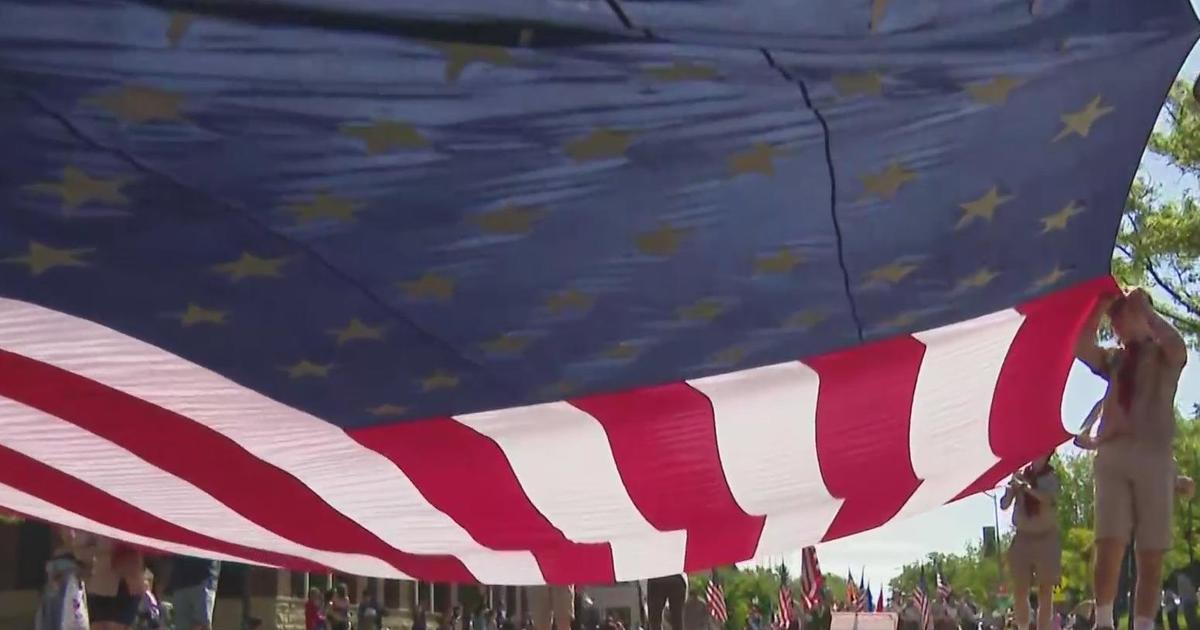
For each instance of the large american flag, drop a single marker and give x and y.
(521, 292)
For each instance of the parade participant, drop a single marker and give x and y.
(337, 608)
(191, 584)
(150, 612)
(314, 610)
(114, 583)
(1134, 471)
(666, 593)
(553, 606)
(370, 612)
(64, 603)
(1035, 555)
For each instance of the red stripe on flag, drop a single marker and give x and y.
(664, 443)
(56, 487)
(215, 464)
(862, 441)
(467, 476)
(1026, 414)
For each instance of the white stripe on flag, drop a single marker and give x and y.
(767, 439)
(949, 438)
(35, 507)
(118, 472)
(361, 484)
(562, 458)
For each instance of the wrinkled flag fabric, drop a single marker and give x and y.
(568, 292)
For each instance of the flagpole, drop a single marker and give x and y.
(999, 553)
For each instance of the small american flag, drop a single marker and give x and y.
(812, 582)
(862, 594)
(716, 600)
(921, 599)
(784, 615)
(943, 587)
(851, 590)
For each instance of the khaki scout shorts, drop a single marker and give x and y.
(1135, 495)
(1036, 558)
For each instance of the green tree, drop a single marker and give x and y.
(968, 573)
(1077, 561)
(1159, 240)
(1187, 520)
(1076, 501)
(835, 587)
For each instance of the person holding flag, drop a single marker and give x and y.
(1134, 470)
(1035, 556)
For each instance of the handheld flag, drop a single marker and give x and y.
(783, 615)
(921, 599)
(812, 581)
(358, 256)
(943, 587)
(852, 594)
(715, 598)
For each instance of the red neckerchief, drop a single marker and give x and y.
(1031, 503)
(1127, 374)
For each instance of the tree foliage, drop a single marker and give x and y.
(969, 572)
(1159, 241)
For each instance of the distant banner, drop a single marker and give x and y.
(864, 621)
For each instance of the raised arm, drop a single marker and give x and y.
(1087, 348)
(1046, 490)
(1164, 333)
(1009, 495)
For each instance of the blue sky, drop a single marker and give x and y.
(883, 551)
